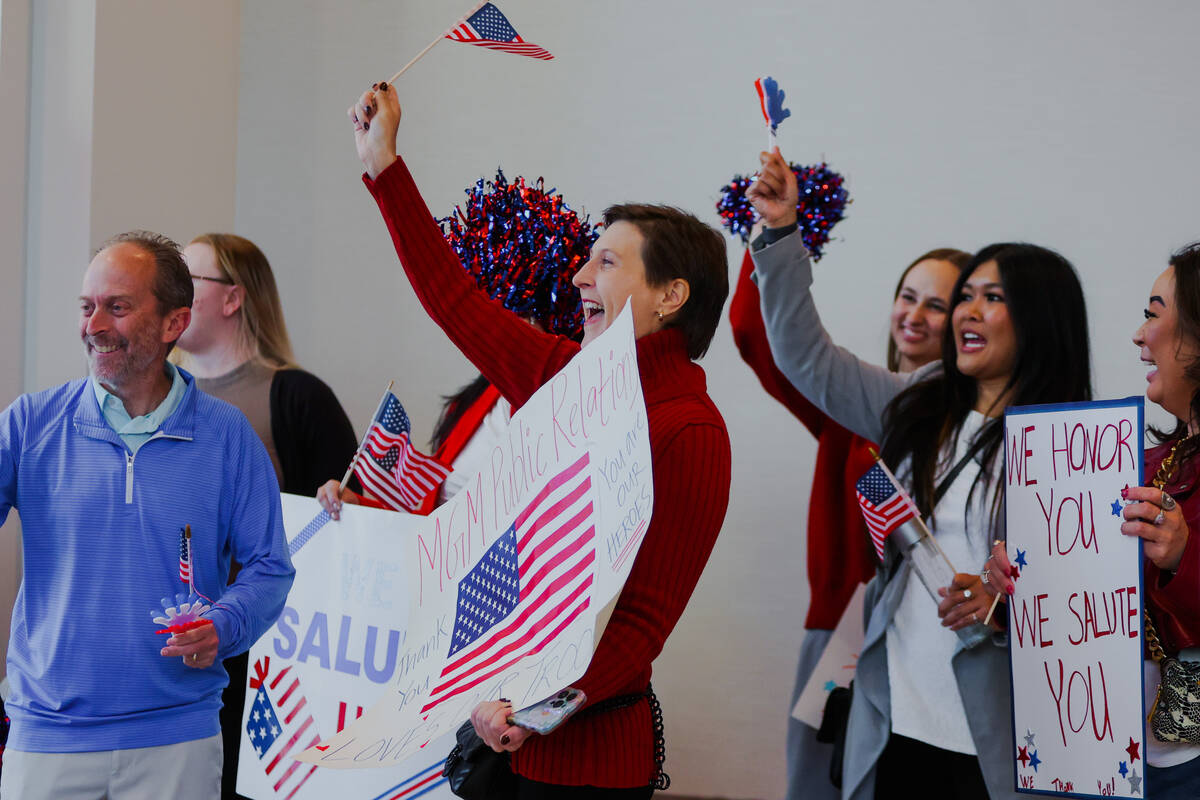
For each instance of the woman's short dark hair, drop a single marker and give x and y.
(1186, 263)
(958, 258)
(1053, 365)
(678, 245)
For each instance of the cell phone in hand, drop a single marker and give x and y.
(547, 715)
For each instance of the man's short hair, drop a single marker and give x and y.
(173, 286)
(677, 245)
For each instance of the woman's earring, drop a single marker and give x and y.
(660, 315)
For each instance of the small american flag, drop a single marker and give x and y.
(487, 27)
(530, 584)
(185, 555)
(885, 506)
(279, 722)
(390, 467)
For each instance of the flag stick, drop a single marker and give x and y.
(363, 443)
(443, 35)
(995, 602)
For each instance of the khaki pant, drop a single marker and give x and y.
(184, 771)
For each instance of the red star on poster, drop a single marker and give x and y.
(1132, 750)
(1023, 757)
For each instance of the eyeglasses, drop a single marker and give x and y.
(225, 281)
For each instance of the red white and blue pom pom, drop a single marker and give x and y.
(770, 99)
(523, 245)
(822, 204)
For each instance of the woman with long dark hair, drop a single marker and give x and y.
(1018, 335)
(840, 556)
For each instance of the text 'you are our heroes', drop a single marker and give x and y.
(1072, 607)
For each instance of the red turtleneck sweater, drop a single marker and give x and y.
(689, 447)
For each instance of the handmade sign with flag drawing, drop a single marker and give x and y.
(512, 580)
(337, 647)
(529, 585)
(280, 725)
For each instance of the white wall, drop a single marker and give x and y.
(14, 99)
(118, 114)
(1067, 124)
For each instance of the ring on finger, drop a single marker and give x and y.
(1168, 502)
(968, 594)
(974, 617)
(985, 576)
(1159, 519)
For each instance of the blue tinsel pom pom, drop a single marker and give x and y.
(823, 200)
(523, 245)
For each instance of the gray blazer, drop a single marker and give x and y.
(855, 395)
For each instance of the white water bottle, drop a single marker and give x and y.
(934, 569)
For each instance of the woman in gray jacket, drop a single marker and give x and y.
(1018, 335)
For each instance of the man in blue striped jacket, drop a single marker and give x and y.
(105, 472)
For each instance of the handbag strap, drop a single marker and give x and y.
(948, 478)
(661, 780)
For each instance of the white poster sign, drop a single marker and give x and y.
(339, 645)
(837, 664)
(507, 585)
(1075, 622)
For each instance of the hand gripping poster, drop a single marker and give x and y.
(398, 625)
(1075, 619)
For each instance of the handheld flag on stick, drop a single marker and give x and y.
(185, 554)
(483, 26)
(890, 512)
(390, 467)
(885, 506)
(770, 100)
(488, 28)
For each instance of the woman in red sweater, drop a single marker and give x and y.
(840, 556)
(673, 269)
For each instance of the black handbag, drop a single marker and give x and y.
(476, 771)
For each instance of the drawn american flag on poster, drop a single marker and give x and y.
(390, 467)
(489, 28)
(532, 583)
(280, 726)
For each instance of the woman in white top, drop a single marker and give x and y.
(1018, 335)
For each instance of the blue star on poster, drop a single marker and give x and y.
(1116, 508)
(1124, 770)
(1020, 561)
(1034, 760)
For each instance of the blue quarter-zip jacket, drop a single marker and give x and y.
(101, 530)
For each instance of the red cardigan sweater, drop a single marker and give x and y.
(1172, 599)
(691, 466)
(840, 555)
